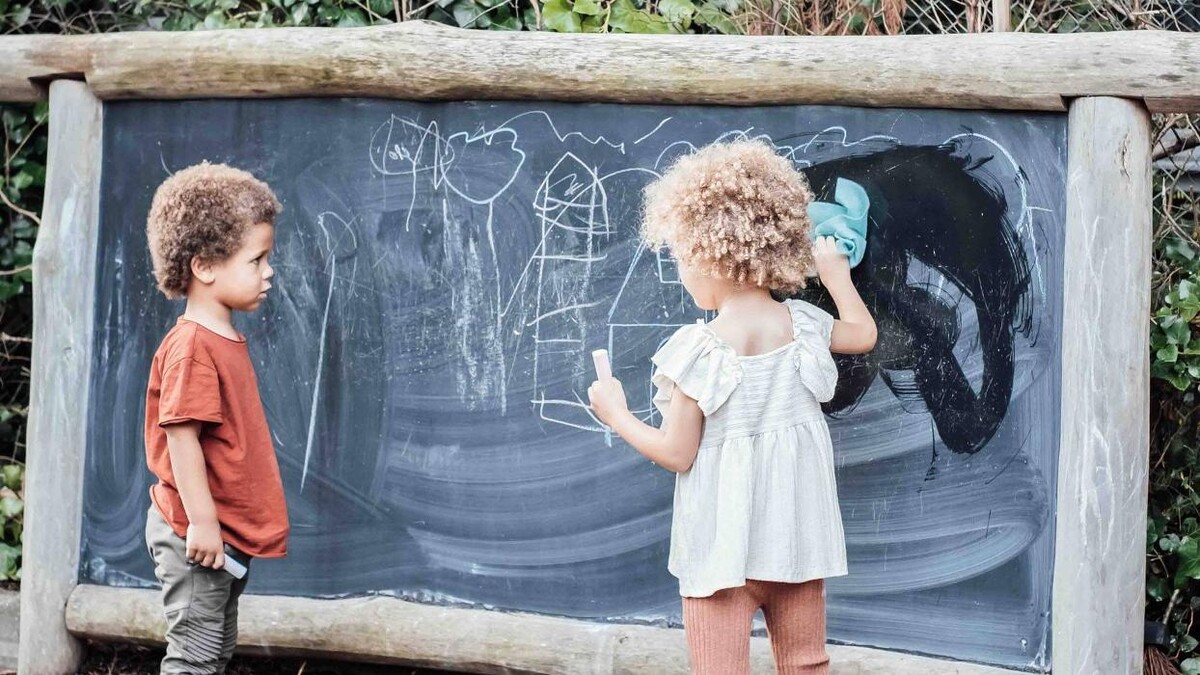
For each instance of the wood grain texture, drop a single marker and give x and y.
(388, 630)
(64, 270)
(424, 61)
(1099, 573)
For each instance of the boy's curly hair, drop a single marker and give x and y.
(734, 210)
(203, 210)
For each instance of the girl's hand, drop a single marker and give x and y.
(832, 266)
(608, 399)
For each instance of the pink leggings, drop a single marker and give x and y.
(718, 627)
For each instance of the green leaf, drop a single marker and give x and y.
(1187, 643)
(588, 7)
(677, 11)
(381, 7)
(1168, 354)
(36, 172)
(217, 21)
(328, 13)
(11, 507)
(1189, 308)
(507, 23)
(1190, 667)
(22, 16)
(12, 474)
(10, 562)
(557, 16)
(464, 13)
(1177, 330)
(1069, 24)
(1179, 250)
(352, 18)
(1158, 588)
(1180, 382)
(593, 24)
(1189, 562)
(21, 181)
(709, 14)
(41, 111)
(530, 18)
(625, 17)
(11, 120)
(183, 22)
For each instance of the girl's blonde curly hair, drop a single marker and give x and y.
(734, 210)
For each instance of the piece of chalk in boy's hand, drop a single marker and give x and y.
(600, 358)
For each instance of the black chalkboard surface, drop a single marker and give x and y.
(443, 272)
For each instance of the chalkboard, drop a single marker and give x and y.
(444, 269)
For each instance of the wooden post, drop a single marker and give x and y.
(64, 270)
(1001, 16)
(1099, 569)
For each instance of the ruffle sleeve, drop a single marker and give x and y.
(813, 328)
(699, 364)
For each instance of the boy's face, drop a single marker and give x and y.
(241, 282)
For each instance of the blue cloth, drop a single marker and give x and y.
(845, 221)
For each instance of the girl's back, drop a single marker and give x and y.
(760, 501)
(756, 520)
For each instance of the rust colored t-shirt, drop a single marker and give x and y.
(199, 375)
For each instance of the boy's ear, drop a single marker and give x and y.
(202, 270)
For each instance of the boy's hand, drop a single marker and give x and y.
(832, 266)
(608, 399)
(204, 546)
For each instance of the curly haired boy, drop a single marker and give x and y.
(219, 498)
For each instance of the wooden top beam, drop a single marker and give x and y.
(425, 61)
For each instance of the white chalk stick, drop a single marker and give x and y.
(600, 358)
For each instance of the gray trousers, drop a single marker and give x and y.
(201, 604)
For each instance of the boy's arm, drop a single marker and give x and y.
(673, 447)
(204, 544)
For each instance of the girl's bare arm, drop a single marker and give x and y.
(672, 447)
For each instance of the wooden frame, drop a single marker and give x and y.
(1098, 603)
(1156, 67)
(64, 274)
(1109, 82)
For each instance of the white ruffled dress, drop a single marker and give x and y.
(760, 501)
